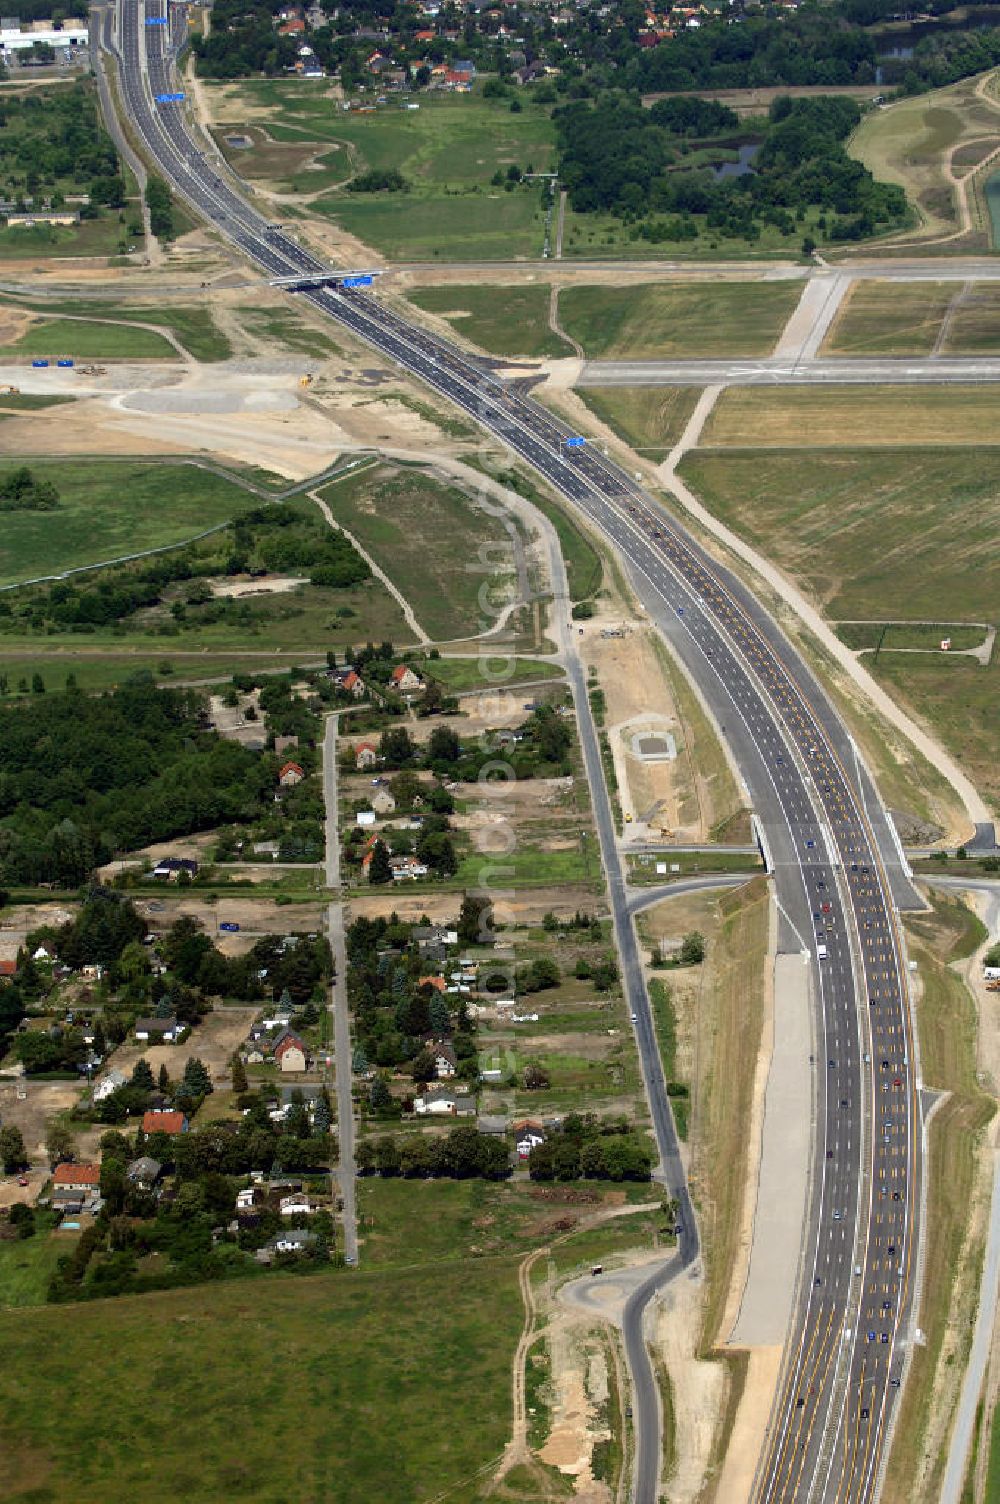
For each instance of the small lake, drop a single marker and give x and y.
(741, 167)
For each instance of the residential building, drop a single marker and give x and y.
(293, 1240)
(444, 1101)
(158, 1030)
(290, 1053)
(405, 680)
(297, 1204)
(290, 775)
(144, 1171)
(528, 1134)
(407, 869)
(383, 802)
(108, 1085)
(173, 867)
(164, 1121)
(365, 755)
(85, 1180)
(445, 1059)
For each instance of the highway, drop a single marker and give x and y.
(837, 869)
(774, 371)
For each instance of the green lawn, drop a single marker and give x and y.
(501, 320)
(108, 508)
(458, 674)
(29, 402)
(683, 318)
(25, 1265)
(185, 1394)
(92, 237)
(436, 546)
(447, 151)
(992, 1494)
(650, 419)
(907, 535)
(890, 318)
(191, 324)
(108, 665)
(59, 337)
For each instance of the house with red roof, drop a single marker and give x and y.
(164, 1122)
(82, 1178)
(404, 679)
(290, 775)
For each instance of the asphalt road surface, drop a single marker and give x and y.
(772, 371)
(837, 868)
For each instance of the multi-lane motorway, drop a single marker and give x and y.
(837, 872)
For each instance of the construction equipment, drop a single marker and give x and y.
(12, 391)
(91, 370)
(306, 380)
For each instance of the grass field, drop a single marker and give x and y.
(650, 419)
(92, 237)
(911, 142)
(910, 318)
(500, 320)
(871, 415)
(191, 324)
(285, 330)
(106, 666)
(947, 1023)
(682, 319)
(458, 674)
(904, 535)
(447, 151)
(59, 337)
(891, 636)
(890, 318)
(438, 548)
(194, 1387)
(25, 1266)
(109, 508)
(881, 534)
(30, 402)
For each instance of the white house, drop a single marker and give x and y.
(292, 1206)
(108, 1085)
(249, 1197)
(527, 1136)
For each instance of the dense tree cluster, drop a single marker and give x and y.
(83, 777)
(161, 207)
(379, 180)
(462, 1154)
(395, 1013)
(268, 539)
(22, 491)
(53, 140)
(593, 1150)
(618, 157)
(244, 40)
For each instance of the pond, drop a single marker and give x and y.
(741, 167)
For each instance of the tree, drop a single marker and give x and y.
(444, 745)
(142, 1075)
(113, 1184)
(379, 1096)
(379, 870)
(321, 1115)
(196, 1081)
(423, 1069)
(22, 1217)
(59, 1143)
(535, 1077)
(475, 920)
(396, 746)
(692, 951)
(12, 1152)
(239, 1076)
(163, 1082)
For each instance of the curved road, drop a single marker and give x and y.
(837, 870)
